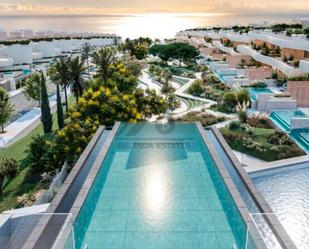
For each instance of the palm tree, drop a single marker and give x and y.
(103, 58)
(86, 52)
(59, 73)
(77, 74)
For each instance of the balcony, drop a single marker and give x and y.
(280, 40)
(228, 50)
(273, 62)
(235, 37)
(6, 62)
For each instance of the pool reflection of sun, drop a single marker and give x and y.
(155, 193)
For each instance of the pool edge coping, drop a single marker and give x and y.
(241, 206)
(38, 229)
(79, 201)
(275, 225)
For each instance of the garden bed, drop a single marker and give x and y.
(205, 119)
(266, 144)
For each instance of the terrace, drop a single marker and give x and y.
(276, 63)
(183, 197)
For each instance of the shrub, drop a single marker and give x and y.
(26, 200)
(231, 137)
(234, 125)
(212, 79)
(289, 151)
(8, 168)
(279, 138)
(44, 155)
(275, 137)
(243, 96)
(274, 75)
(196, 88)
(204, 118)
(259, 84)
(242, 115)
(259, 121)
(230, 100)
(6, 108)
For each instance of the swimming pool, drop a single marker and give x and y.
(283, 118)
(27, 71)
(223, 75)
(286, 191)
(301, 136)
(158, 187)
(254, 92)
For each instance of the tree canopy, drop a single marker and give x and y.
(137, 47)
(46, 117)
(6, 108)
(32, 87)
(181, 51)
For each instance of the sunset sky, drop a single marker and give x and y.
(13, 7)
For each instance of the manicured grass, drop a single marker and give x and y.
(259, 145)
(23, 182)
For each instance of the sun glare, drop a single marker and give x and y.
(160, 25)
(156, 194)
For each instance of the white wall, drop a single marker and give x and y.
(21, 54)
(275, 63)
(304, 66)
(47, 48)
(64, 45)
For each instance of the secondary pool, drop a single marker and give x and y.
(158, 187)
(283, 118)
(254, 92)
(223, 75)
(286, 191)
(301, 136)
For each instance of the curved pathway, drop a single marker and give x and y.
(188, 102)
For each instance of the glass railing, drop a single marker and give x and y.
(259, 221)
(20, 229)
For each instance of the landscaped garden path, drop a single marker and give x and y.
(188, 102)
(22, 126)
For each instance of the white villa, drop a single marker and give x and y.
(19, 49)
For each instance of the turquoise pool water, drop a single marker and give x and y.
(286, 191)
(283, 118)
(27, 71)
(254, 92)
(223, 76)
(159, 188)
(301, 136)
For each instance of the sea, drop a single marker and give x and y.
(152, 25)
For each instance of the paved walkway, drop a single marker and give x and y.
(258, 166)
(22, 126)
(146, 81)
(247, 160)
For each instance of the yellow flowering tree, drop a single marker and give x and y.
(74, 138)
(107, 105)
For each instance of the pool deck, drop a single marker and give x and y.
(37, 238)
(61, 194)
(233, 190)
(276, 227)
(277, 164)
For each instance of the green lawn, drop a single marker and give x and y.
(23, 183)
